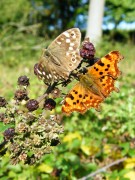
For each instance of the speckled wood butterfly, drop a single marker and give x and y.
(60, 58)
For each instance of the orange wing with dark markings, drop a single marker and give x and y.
(94, 86)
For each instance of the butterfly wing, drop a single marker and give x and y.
(106, 85)
(63, 56)
(95, 85)
(107, 65)
(65, 48)
(81, 99)
(48, 71)
(104, 73)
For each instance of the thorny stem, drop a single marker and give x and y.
(3, 144)
(49, 89)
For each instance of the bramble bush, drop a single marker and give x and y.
(85, 143)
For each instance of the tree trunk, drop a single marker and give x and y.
(95, 18)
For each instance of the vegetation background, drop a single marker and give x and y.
(92, 140)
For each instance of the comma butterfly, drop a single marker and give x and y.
(94, 86)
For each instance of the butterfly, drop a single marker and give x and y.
(60, 58)
(94, 86)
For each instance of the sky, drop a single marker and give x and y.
(123, 25)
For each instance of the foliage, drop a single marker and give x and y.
(55, 19)
(42, 17)
(82, 150)
(90, 141)
(119, 11)
(14, 12)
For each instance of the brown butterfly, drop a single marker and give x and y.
(60, 58)
(94, 86)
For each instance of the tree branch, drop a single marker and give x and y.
(103, 169)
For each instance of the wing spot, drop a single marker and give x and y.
(66, 34)
(72, 44)
(106, 69)
(96, 68)
(67, 40)
(74, 103)
(101, 80)
(70, 65)
(108, 65)
(50, 75)
(102, 77)
(80, 96)
(71, 96)
(43, 73)
(100, 63)
(58, 42)
(71, 48)
(75, 91)
(67, 53)
(77, 101)
(73, 59)
(100, 73)
(90, 97)
(72, 33)
(55, 77)
(39, 72)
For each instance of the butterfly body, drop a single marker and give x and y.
(61, 57)
(94, 86)
(49, 57)
(89, 82)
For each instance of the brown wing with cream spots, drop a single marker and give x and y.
(107, 65)
(65, 48)
(61, 57)
(81, 99)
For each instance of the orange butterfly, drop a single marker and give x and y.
(94, 86)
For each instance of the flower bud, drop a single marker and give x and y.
(49, 104)
(21, 95)
(23, 81)
(32, 105)
(9, 134)
(88, 50)
(3, 102)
